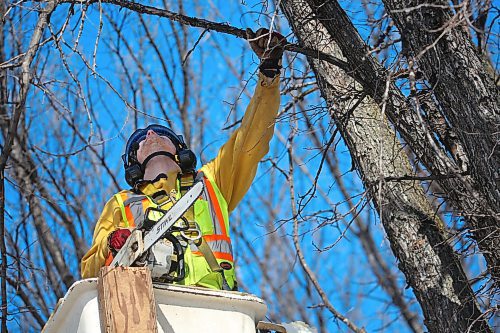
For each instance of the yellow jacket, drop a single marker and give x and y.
(233, 169)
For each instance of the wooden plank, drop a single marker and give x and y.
(126, 300)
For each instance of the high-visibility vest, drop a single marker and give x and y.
(212, 218)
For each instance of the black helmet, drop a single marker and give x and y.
(134, 171)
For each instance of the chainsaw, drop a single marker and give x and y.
(153, 243)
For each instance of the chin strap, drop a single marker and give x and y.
(158, 153)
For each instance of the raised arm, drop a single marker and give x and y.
(235, 165)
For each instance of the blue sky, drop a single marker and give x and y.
(342, 269)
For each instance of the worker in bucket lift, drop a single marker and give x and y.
(160, 168)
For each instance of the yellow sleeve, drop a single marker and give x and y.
(235, 165)
(95, 257)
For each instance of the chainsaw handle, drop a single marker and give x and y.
(181, 271)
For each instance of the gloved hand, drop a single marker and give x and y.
(117, 239)
(269, 48)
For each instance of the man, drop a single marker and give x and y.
(156, 160)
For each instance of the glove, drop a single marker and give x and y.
(263, 48)
(117, 239)
(269, 48)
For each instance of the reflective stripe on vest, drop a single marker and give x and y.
(132, 207)
(215, 208)
(221, 248)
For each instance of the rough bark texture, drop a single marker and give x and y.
(431, 267)
(466, 92)
(464, 194)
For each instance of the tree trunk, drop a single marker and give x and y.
(466, 92)
(464, 194)
(431, 267)
(26, 176)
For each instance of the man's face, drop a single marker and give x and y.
(153, 143)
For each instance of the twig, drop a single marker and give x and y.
(99, 31)
(24, 85)
(194, 47)
(310, 274)
(210, 25)
(24, 81)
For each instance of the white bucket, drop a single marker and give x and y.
(179, 309)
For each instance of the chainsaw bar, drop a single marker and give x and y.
(136, 246)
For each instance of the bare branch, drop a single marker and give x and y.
(210, 26)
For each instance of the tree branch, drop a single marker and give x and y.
(211, 26)
(310, 274)
(423, 178)
(24, 84)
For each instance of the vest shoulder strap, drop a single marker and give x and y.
(124, 200)
(120, 199)
(214, 200)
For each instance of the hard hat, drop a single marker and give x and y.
(134, 171)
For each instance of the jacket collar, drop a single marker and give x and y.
(158, 188)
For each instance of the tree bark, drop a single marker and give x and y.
(431, 267)
(3, 248)
(465, 90)
(464, 193)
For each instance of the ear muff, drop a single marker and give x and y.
(133, 171)
(187, 161)
(133, 174)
